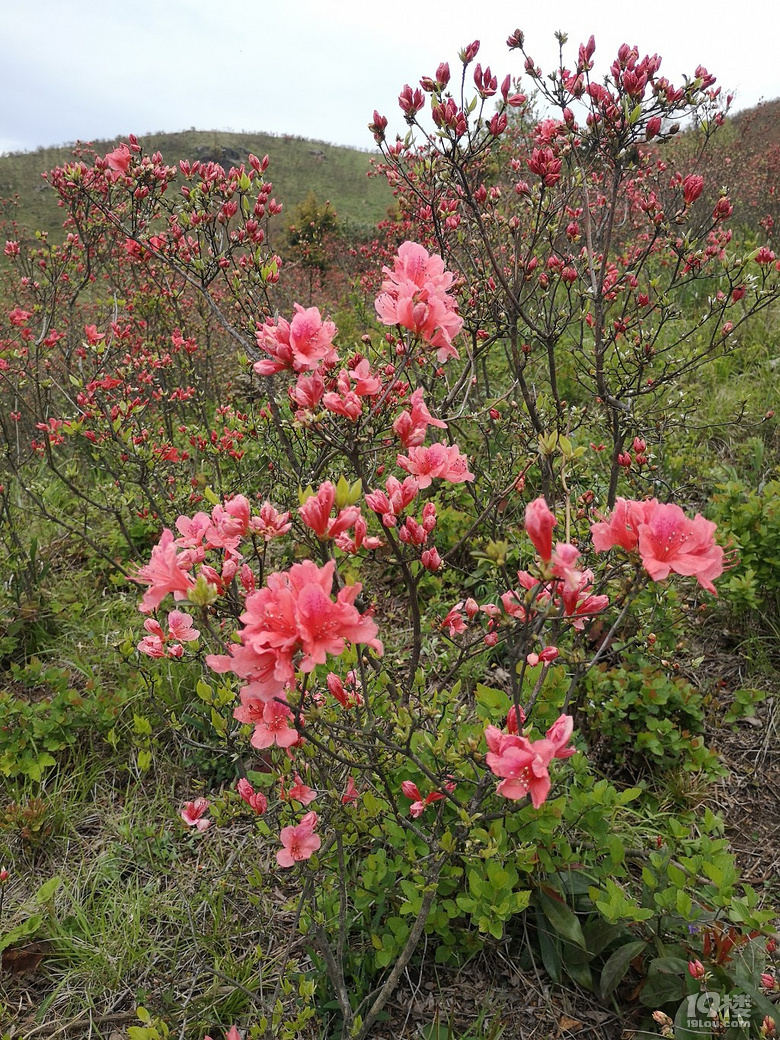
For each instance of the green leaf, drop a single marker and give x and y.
(550, 951)
(496, 928)
(659, 989)
(47, 890)
(614, 970)
(203, 690)
(562, 919)
(21, 931)
(669, 965)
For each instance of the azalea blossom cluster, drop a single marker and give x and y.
(522, 764)
(158, 643)
(664, 538)
(659, 535)
(291, 624)
(416, 295)
(559, 588)
(174, 560)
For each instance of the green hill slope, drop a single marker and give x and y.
(297, 166)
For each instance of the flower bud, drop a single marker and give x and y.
(203, 593)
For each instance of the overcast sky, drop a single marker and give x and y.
(91, 69)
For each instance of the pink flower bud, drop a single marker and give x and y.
(693, 186)
(468, 54)
(652, 128)
(431, 560)
(512, 720)
(696, 969)
(539, 523)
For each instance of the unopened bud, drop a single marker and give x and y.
(203, 593)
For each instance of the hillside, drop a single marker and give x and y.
(297, 167)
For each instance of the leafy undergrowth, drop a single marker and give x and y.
(139, 911)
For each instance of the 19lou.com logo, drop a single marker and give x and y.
(707, 1009)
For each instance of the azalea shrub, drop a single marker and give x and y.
(420, 778)
(433, 544)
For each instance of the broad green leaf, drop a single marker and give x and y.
(562, 919)
(614, 970)
(21, 931)
(47, 890)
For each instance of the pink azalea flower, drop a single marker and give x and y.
(119, 160)
(307, 392)
(438, 460)
(254, 799)
(431, 560)
(539, 523)
(419, 804)
(367, 384)
(192, 530)
(351, 793)
(579, 604)
(415, 295)
(192, 814)
(153, 644)
(564, 564)
(270, 523)
(455, 622)
(300, 345)
(274, 727)
(390, 504)
(315, 513)
(180, 627)
(299, 842)
(293, 614)
(669, 541)
(623, 525)
(157, 644)
(347, 695)
(411, 426)
(524, 764)
(361, 539)
(348, 404)
(229, 524)
(512, 716)
(301, 792)
(165, 572)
